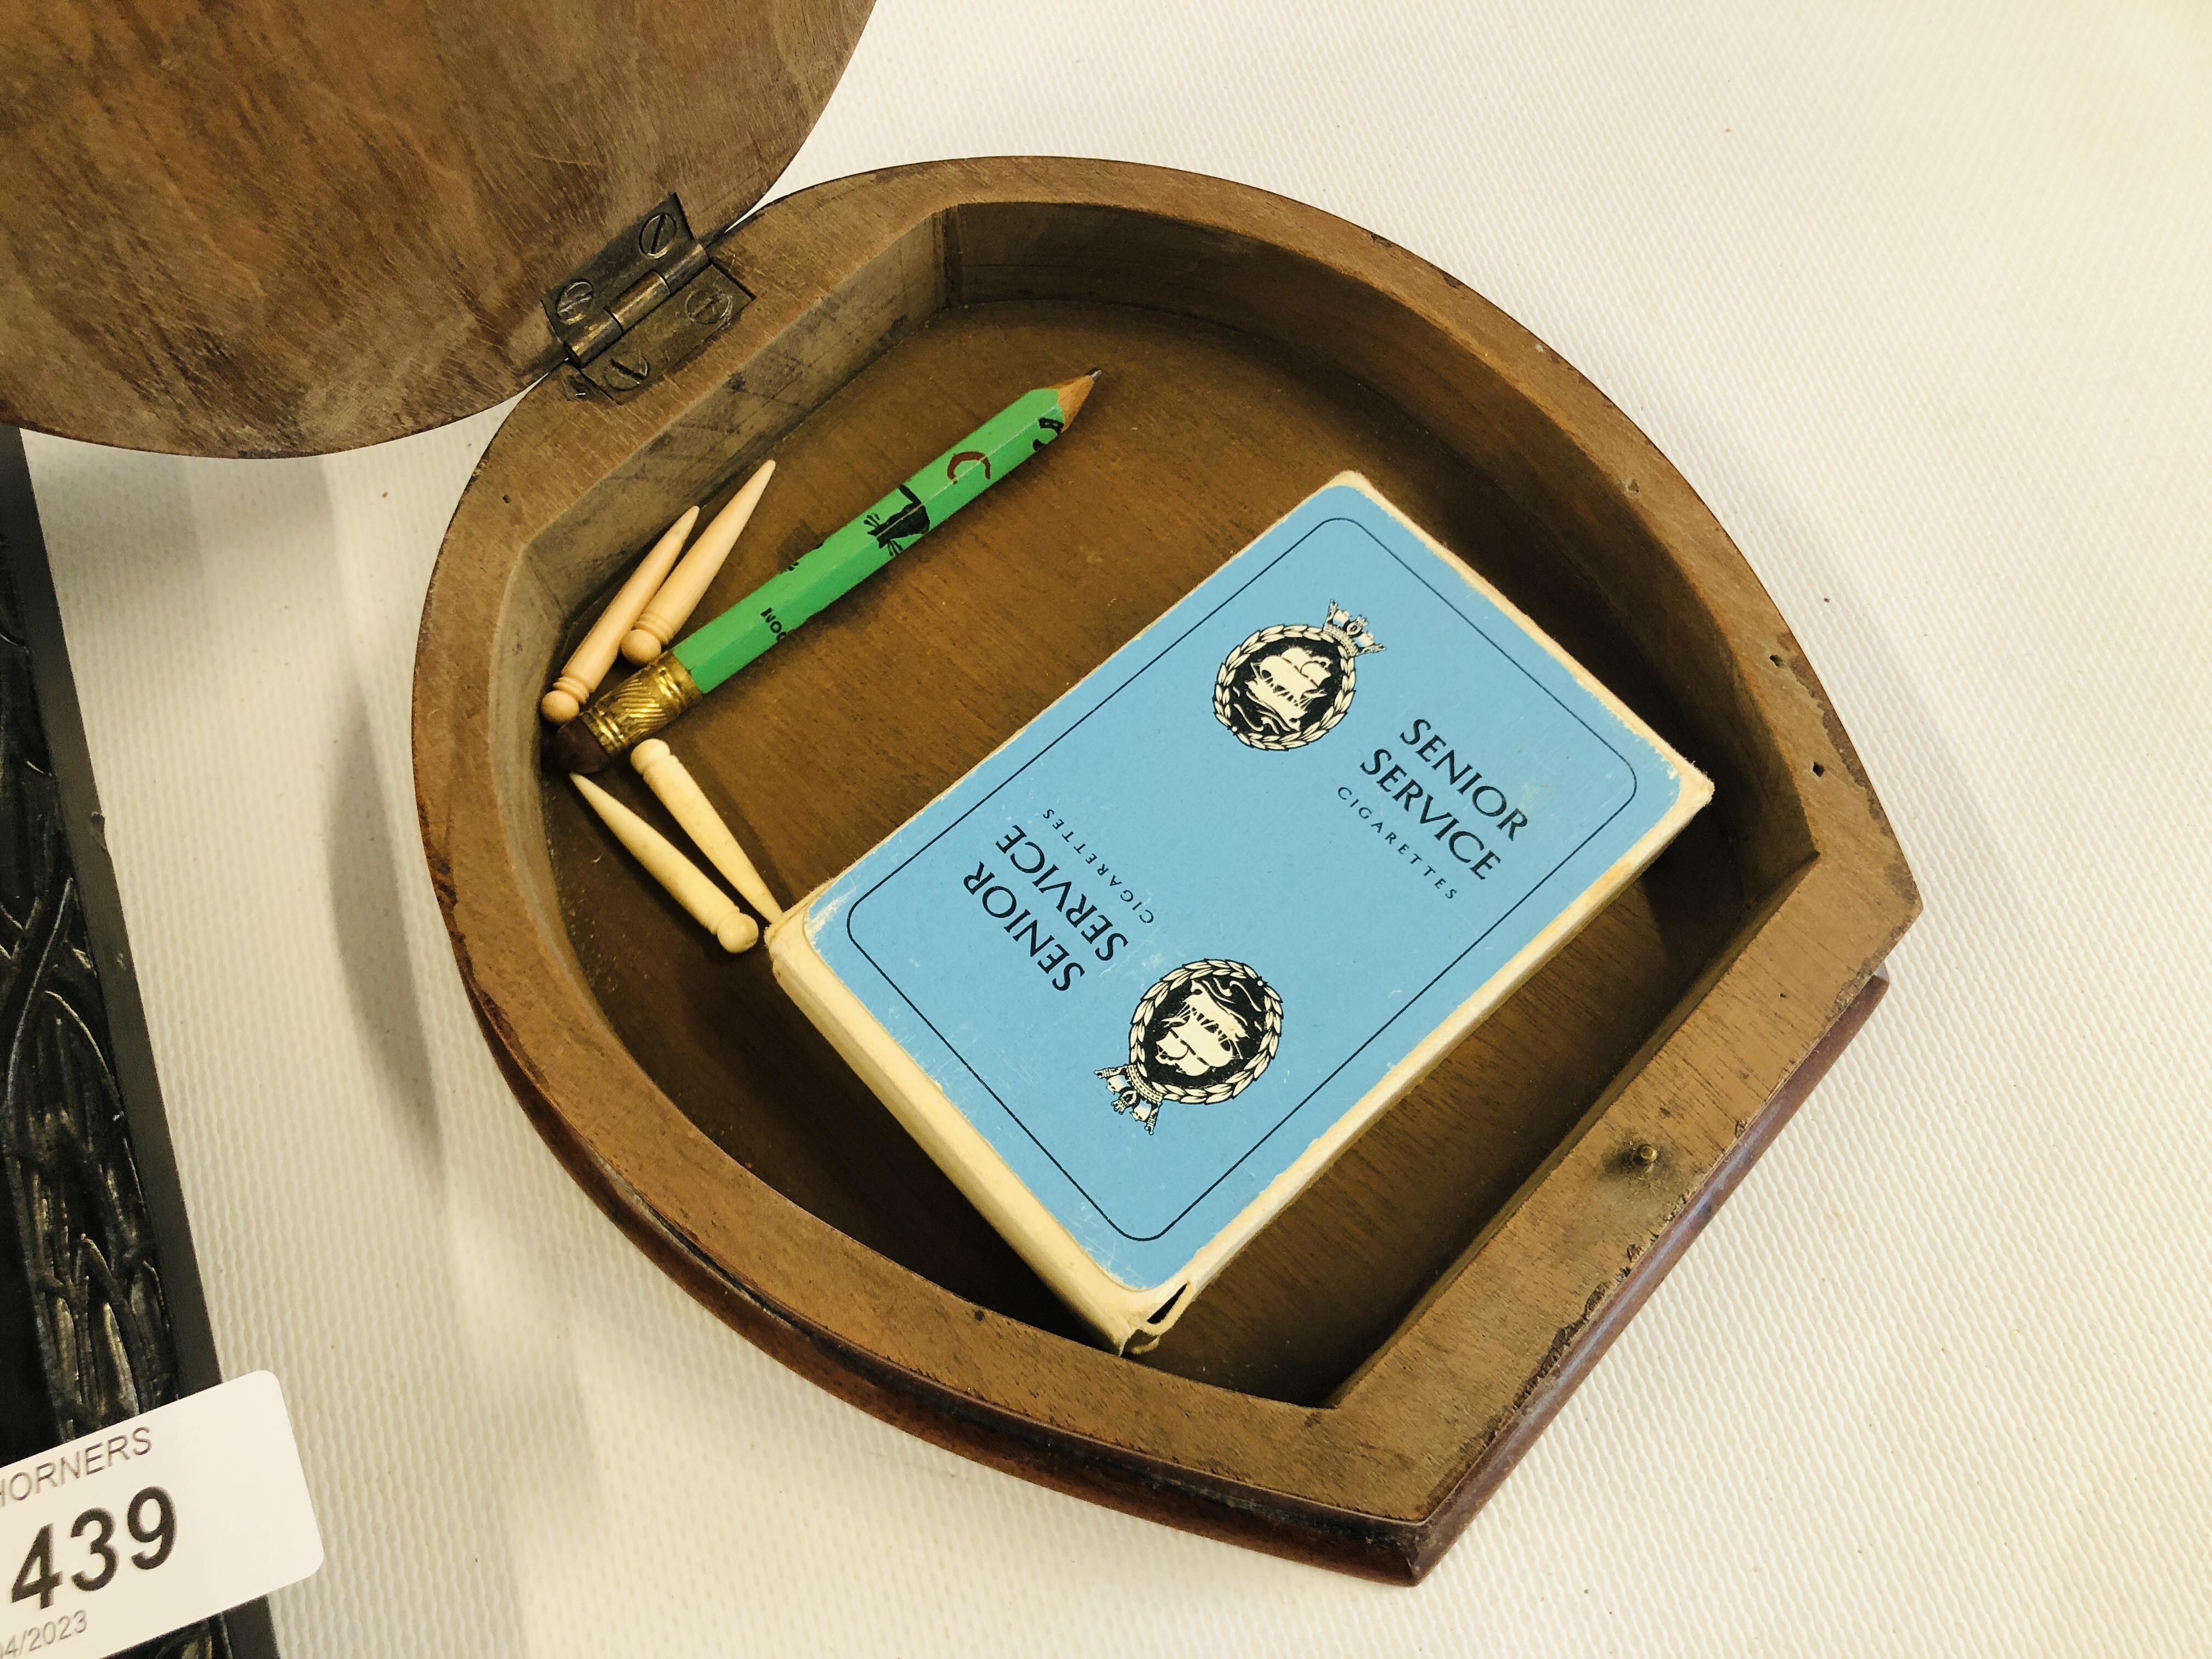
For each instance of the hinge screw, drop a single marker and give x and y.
(654, 237)
(628, 371)
(574, 303)
(707, 306)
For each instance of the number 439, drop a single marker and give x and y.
(37, 1577)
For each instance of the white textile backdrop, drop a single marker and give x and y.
(1920, 299)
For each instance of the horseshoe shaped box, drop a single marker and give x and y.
(498, 202)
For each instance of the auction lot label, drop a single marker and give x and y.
(143, 1528)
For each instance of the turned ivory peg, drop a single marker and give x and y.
(669, 778)
(671, 607)
(687, 883)
(597, 653)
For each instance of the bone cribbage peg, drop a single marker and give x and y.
(671, 607)
(672, 781)
(687, 883)
(592, 659)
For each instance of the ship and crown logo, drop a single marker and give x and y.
(1203, 1034)
(1287, 686)
(1205, 1031)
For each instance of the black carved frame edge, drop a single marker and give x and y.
(101, 1309)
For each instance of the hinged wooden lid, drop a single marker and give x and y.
(269, 228)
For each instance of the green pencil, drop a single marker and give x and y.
(696, 665)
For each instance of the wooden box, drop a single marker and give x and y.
(1365, 1372)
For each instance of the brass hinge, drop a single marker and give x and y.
(642, 307)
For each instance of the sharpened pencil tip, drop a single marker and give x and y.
(1073, 392)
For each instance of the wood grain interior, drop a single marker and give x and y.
(1199, 437)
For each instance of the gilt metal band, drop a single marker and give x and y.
(641, 704)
